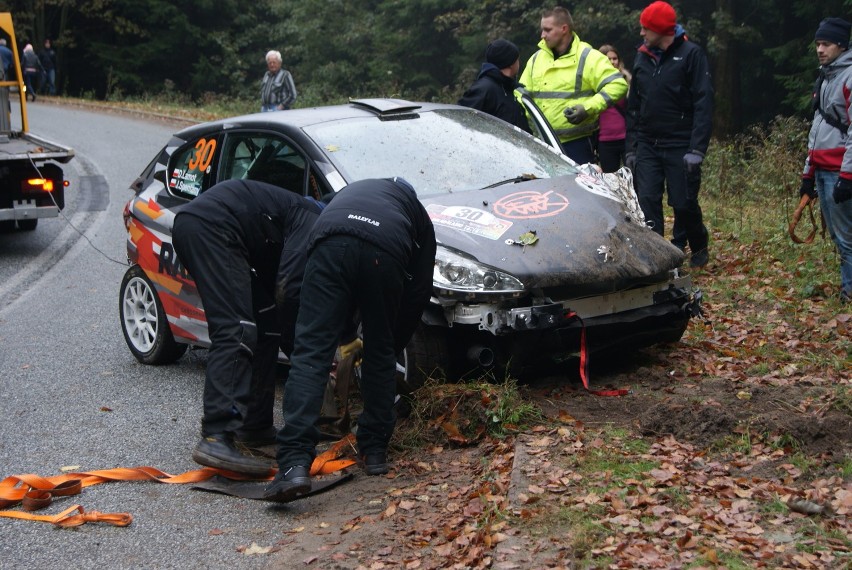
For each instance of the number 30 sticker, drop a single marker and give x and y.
(204, 150)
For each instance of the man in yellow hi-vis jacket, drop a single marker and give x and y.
(572, 83)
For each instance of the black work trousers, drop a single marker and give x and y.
(343, 273)
(239, 387)
(661, 169)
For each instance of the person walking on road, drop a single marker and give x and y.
(828, 167)
(244, 243)
(372, 250)
(32, 70)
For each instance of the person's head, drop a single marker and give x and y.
(47, 43)
(557, 28)
(832, 39)
(273, 60)
(2, 41)
(658, 23)
(28, 47)
(611, 53)
(503, 54)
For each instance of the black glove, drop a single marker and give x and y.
(576, 114)
(692, 161)
(807, 187)
(630, 160)
(842, 190)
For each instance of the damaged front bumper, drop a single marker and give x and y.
(675, 297)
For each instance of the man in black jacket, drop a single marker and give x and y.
(494, 89)
(245, 244)
(669, 121)
(371, 250)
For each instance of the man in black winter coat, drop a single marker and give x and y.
(245, 244)
(371, 250)
(494, 89)
(669, 122)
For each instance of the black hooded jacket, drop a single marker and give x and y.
(387, 213)
(670, 102)
(493, 93)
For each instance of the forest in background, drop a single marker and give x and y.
(761, 51)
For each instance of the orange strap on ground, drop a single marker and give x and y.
(33, 492)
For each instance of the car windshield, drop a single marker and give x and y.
(447, 150)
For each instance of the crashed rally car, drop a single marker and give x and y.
(533, 250)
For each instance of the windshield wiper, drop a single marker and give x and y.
(515, 180)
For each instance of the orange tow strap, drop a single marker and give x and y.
(33, 492)
(805, 202)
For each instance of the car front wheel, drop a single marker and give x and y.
(143, 321)
(426, 356)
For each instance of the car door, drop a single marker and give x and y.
(267, 157)
(540, 126)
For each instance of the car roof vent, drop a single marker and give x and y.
(388, 109)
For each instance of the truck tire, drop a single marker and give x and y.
(144, 323)
(28, 225)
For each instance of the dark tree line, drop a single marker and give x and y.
(761, 51)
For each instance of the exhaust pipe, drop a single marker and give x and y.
(481, 355)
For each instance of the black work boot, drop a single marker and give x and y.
(218, 451)
(288, 485)
(376, 463)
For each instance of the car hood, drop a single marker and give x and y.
(591, 237)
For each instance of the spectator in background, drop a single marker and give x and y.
(6, 56)
(47, 56)
(32, 69)
(493, 92)
(669, 122)
(828, 168)
(613, 128)
(277, 90)
(572, 83)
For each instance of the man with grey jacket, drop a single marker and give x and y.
(277, 90)
(828, 168)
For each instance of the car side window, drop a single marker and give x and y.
(264, 157)
(191, 168)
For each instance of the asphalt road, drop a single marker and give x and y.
(73, 395)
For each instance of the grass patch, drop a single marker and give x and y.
(579, 530)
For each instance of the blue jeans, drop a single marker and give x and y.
(268, 108)
(838, 219)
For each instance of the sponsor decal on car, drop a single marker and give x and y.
(530, 204)
(468, 220)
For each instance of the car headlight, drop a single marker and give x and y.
(456, 273)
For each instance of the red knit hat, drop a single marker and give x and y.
(659, 17)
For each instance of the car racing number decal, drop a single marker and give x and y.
(468, 220)
(204, 150)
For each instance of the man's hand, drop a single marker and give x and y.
(576, 114)
(630, 160)
(351, 348)
(807, 188)
(842, 190)
(692, 161)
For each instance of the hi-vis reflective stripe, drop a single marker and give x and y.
(33, 492)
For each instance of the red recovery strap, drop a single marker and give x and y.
(584, 362)
(33, 492)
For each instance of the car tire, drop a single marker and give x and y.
(143, 321)
(28, 225)
(426, 356)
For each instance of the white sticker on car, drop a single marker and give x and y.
(468, 220)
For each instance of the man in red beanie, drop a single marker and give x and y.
(669, 121)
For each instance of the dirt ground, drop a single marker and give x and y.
(492, 505)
